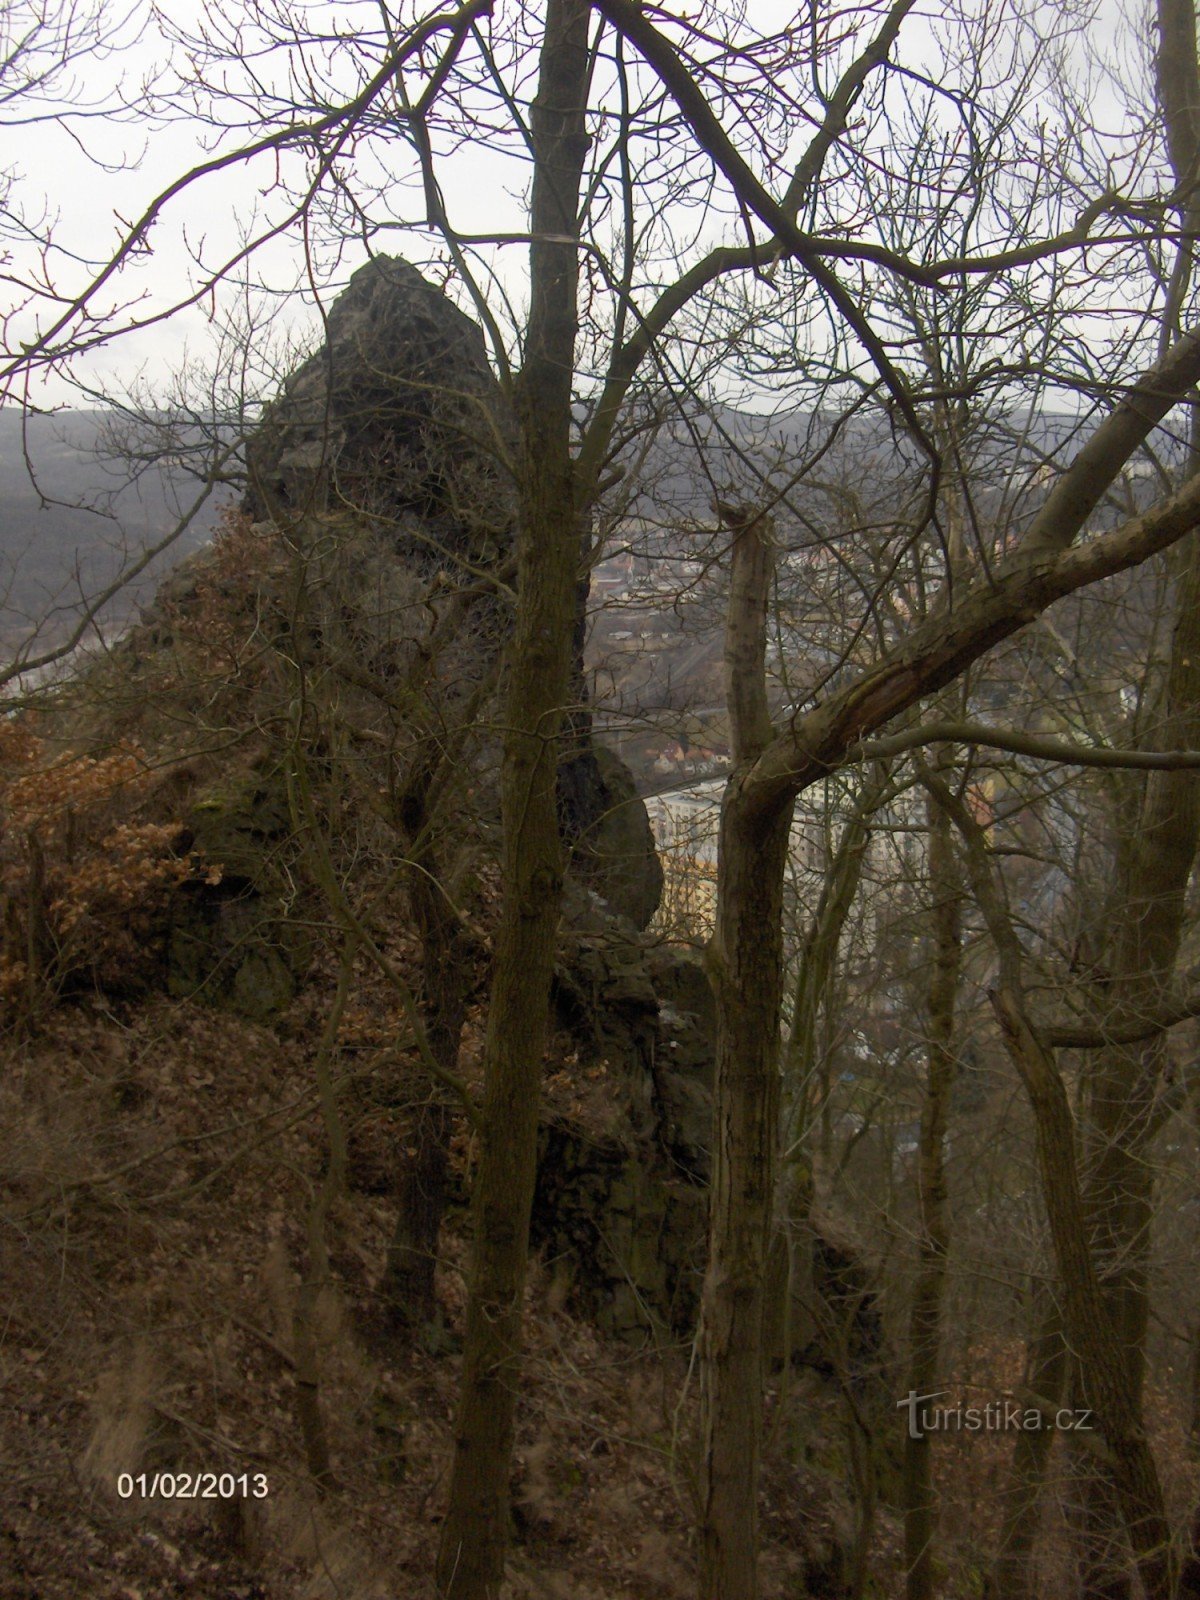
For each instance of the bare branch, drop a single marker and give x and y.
(1040, 747)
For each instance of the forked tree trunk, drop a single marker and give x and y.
(475, 1533)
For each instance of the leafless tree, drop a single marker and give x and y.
(630, 124)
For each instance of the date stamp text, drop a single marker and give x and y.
(192, 1486)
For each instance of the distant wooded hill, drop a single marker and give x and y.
(72, 519)
(73, 516)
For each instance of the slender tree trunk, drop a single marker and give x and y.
(746, 966)
(407, 1287)
(475, 1533)
(1124, 1081)
(1090, 1327)
(1013, 1575)
(926, 1314)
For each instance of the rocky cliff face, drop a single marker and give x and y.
(622, 1184)
(399, 425)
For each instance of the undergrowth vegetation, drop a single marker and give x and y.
(86, 877)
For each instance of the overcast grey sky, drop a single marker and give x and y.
(97, 173)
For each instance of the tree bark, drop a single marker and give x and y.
(745, 960)
(1155, 859)
(1124, 1081)
(1093, 1334)
(408, 1281)
(926, 1314)
(475, 1533)
(1013, 1575)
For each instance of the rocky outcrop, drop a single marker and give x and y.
(397, 418)
(613, 841)
(398, 422)
(621, 1204)
(382, 503)
(232, 941)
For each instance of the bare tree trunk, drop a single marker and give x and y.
(475, 1533)
(746, 966)
(407, 1286)
(1124, 1081)
(1090, 1328)
(1013, 1575)
(926, 1314)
